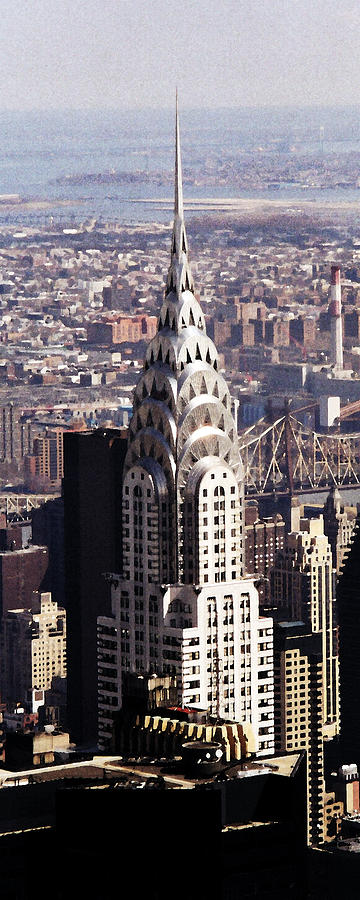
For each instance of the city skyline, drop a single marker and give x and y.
(199, 585)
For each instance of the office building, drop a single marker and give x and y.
(348, 603)
(32, 649)
(298, 678)
(93, 462)
(48, 456)
(48, 529)
(304, 590)
(336, 319)
(15, 435)
(181, 605)
(22, 572)
(264, 537)
(339, 524)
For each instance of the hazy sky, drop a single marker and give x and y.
(132, 53)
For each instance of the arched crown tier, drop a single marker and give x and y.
(182, 410)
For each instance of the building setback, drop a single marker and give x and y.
(181, 605)
(304, 589)
(33, 649)
(339, 524)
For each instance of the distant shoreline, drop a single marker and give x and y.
(32, 204)
(253, 202)
(247, 205)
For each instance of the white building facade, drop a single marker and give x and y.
(181, 605)
(32, 649)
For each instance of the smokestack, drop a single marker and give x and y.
(335, 317)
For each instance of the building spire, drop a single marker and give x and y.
(179, 276)
(179, 204)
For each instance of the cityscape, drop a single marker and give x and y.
(180, 452)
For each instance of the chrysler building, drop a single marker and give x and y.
(181, 604)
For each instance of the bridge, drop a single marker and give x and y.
(18, 506)
(288, 456)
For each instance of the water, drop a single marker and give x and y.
(37, 149)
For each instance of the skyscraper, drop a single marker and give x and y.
(304, 589)
(264, 537)
(15, 435)
(298, 670)
(33, 648)
(336, 319)
(339, 524)
(93, 463)
(181, 605)
(348, 597)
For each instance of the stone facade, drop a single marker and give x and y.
(181, 605)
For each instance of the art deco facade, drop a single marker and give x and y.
(181, 605)
(33, 649)
(304, 590)
(339, 524)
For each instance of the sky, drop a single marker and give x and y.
(83, 54)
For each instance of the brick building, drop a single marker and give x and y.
(122, 329)
(264, 537)
(21, 573)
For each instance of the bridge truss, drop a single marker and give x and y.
(19, 506)
(288, 455)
